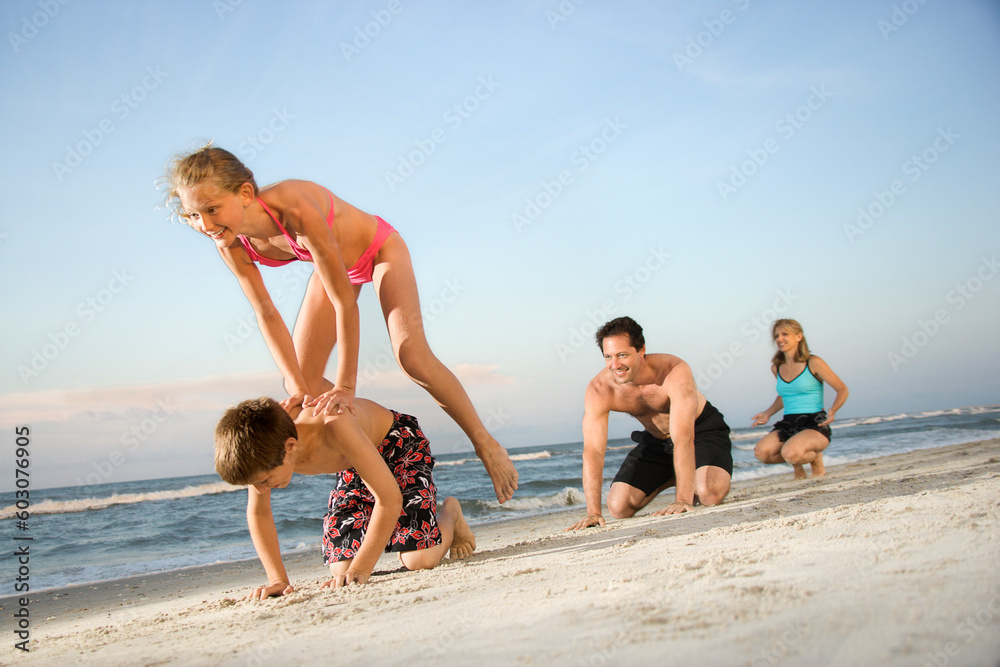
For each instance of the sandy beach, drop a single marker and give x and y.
(889, 561)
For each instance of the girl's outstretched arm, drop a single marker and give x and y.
(762, 418)
(275, 332)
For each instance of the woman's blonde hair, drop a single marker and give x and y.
(207, 163)
(801, 352)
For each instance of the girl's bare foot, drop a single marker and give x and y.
(464, 542)
(818, 468)
(800, 472)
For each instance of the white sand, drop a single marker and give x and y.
(892, 561)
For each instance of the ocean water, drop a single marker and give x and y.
(103, 532)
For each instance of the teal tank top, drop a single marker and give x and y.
(803, 395)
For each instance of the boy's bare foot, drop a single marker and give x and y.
(818, 467)
(463, 543)
(500, 469)
(800, 472)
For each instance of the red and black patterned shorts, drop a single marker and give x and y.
(408, 454)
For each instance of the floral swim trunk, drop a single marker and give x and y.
(408, 454)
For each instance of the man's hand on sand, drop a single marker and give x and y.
(270, 591)
(676, 507)
(591, 520)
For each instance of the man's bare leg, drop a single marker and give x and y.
(624, 500)
(711, 484)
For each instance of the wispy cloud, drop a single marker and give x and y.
(480, 374)
(98, 404)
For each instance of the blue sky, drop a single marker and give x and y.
(700, 166)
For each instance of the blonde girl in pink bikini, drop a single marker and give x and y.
(291, 220)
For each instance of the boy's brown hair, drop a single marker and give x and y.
(250, 439)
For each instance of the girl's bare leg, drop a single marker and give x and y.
(396, 288)
(806, 447)
(315, 335)
(769, 450)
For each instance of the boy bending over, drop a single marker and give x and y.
(385, 498)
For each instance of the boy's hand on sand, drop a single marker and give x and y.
(337, 401)
(346, 579)
(676, 507)
(591, 520)
(272, 590)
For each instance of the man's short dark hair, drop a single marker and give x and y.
(621, 325)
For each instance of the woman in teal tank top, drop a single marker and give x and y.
(804, 430)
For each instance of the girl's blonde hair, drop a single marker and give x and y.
(207, 163)
(801, 352)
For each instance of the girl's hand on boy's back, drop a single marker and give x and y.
(273, 590)
(295, 401)
(334, 402)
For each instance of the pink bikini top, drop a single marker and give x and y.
(300, 252)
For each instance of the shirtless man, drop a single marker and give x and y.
(685, 443)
